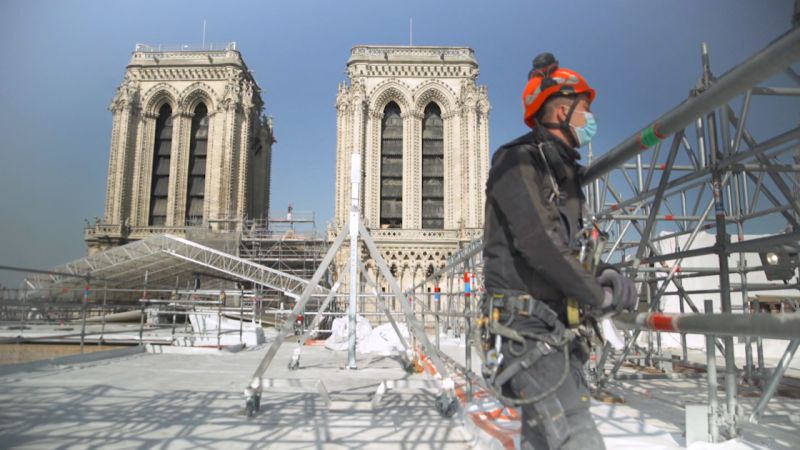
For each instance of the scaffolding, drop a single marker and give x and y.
(729, 182)
(289, 244)
(163, 267)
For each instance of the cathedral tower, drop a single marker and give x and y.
(189, 146)
(420, 123)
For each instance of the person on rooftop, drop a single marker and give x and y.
(533, 228)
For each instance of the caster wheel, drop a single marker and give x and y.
(250, 407)
(446, 406)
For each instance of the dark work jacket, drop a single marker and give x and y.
(529, 240)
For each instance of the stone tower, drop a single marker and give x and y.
(420, 123)
(189, 146)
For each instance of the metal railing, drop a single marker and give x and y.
(187, 47)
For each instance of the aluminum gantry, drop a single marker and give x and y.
(158, 261)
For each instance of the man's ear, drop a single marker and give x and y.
(561, 113)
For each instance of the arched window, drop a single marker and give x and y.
(432, 168)
(160, 176)
(198, 146)
(392, 167)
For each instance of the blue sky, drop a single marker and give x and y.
(63, 60)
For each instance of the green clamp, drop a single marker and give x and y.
(650, 137)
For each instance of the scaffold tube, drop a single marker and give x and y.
(774, 58)
(772, 326)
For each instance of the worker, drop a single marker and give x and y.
(532, 230)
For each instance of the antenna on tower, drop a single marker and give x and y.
(410, 31)
(204, 34)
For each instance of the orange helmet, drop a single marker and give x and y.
(547, 79)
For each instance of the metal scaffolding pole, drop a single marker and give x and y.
(355, 177)
(774, 58)
(711, 371)
(770, 326)
(717, 184)
(727, 162)
(772, 386)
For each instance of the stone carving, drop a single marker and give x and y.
(232, 95)
(247, 93)
(127, 94)
(342, 98)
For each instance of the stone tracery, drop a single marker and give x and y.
(157, 95)
(195, 93)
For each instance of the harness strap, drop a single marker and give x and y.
(533, 347)
(515, 302)
(526, 362)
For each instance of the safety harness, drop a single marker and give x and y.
(588, 243)
(527, 348)
(501, 307)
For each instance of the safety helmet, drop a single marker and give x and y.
(545, 80)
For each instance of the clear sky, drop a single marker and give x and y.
(62, 60)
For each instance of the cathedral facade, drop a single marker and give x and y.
(189, 146)
(420, 123)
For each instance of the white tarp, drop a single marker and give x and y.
(340, 332)
(382, 339)
(207, 331)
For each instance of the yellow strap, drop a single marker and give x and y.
(573, 313)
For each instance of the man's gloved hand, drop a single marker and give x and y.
(620, 292)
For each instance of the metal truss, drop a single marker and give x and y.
(164, 258)
(240, 268)
(714, 175)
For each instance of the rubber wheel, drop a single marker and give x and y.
(250, 407)
(446, 406)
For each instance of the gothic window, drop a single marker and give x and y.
(392, 167)
(160, 175)
(432, 168)
(198, 149)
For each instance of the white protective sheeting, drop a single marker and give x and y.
(208, 332)
(382, 339)
(340, 332)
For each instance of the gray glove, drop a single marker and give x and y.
(620, 292)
